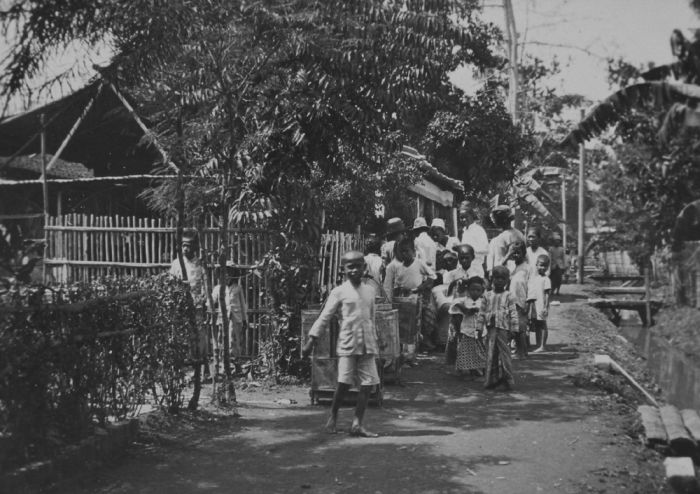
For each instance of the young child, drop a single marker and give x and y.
(236, 309)
(466, 268)
(407, 276)
(358, 343)
(373, 258)
(519, 277)
(500, 317)
(466, 326)
(538, 289)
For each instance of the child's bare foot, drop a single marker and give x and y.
(539, 350)
(331, 425)
(359, 431)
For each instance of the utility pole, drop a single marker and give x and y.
(581, 190)
(513, 59)
(563, 212)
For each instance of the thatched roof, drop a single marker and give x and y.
(31, 164)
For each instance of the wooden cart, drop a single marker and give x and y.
(324, 363)
(387, 324)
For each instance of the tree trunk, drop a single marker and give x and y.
(227, 393)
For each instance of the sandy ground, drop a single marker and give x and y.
(554, 433)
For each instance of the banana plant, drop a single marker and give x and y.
(527, 189)
(673, 88)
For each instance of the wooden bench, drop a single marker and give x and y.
(620, 290)
(615, 305)
(607, 278)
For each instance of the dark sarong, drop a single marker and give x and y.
(499, 366)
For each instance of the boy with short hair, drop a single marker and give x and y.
(538, 289)
(358, 344)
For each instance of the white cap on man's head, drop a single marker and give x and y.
(419, 223)
(437, 223)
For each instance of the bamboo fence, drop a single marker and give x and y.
(84, 247)
(333, 246)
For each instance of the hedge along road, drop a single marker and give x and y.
(438, 433)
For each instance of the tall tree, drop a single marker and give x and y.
(268, 101)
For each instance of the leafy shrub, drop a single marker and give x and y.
(95, 353)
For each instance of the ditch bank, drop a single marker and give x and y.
(669, 358)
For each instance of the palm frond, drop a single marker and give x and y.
(658, 94)
(662, 72)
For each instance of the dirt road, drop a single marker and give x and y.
(438, 434)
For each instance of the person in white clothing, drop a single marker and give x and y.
(373, 259)
(535, 249)
(502, 216)
(408, 276)
(424, 245)
(236, 310)
(473, 234)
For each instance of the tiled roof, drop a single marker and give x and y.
(32, 163)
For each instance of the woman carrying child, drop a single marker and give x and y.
(467, 324)
(501, 317)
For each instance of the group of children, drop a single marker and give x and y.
(484, 323)
(490, 311)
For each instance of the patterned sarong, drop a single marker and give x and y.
(471, 354)
(498, 363)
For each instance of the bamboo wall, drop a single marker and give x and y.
(84, 247)
(333, 246)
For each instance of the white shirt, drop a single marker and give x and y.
(459, 273)
(425, 249)
(536, 287)
(498, 247)
(451, 242)
(475, 235)
(410, 277)
(235, 302)
(357, 335)
(387, 251)
(374, 264)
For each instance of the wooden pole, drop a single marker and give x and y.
(581, 189)
(74, 128)
(563, 213)
(139, 122)
(45, 191)
(513, 59)
(647, 296)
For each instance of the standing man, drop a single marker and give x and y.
(473, 234)
(195, 278)
(558, 266)
(193, 268)
(424, 245)
(395, 232)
